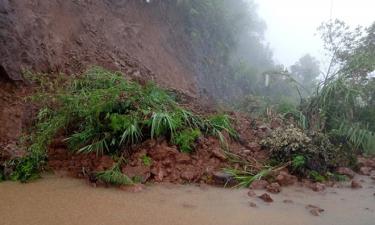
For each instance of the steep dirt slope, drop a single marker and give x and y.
(132, 36)
(59, 35)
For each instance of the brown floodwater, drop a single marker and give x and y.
(65, 201)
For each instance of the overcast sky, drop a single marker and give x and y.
(291, 24)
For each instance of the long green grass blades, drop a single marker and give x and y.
(162, 122)
(358, 137)
(220, 123)
(245, 178)
(99, 147)
(114, 176)
(132, 134)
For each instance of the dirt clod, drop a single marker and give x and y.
(251, 193)
(285, 179)
(346, 171)
(266, 197)
(355, 184)
(259, 184)
(314, 210)
(274, 188)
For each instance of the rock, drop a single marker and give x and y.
(162, 151)
(183, 158)
(259, 184)
(222, 178)
(288, 201)
(218, 153)
(251, 193)
(314, 210)
(252, 204)
(364, 170)
(266, 197)
(355, 184)
(318, 187)
(189, 174)
(285, 179)
(274, 188)
(346, 171)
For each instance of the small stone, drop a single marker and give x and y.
(355, 184)
(318, 187)
(274, 188)
(346, 171)
(314, 210)
(259, 184)
(266, 197)
(218, 153)
(251, 193)
(252, 204)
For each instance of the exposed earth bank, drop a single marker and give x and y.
(65, 201)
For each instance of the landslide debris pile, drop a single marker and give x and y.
(103, 117)
(103, 127)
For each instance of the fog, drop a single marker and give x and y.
(291, 24)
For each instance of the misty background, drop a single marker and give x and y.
(292, 24)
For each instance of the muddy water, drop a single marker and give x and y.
(64, 201)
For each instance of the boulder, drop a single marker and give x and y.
(222, 178)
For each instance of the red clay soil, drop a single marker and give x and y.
(65, 35)
(167, 163)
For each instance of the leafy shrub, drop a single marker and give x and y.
(304, 153)
(26, 168)
(186, 138)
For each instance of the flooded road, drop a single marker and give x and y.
(65, 201)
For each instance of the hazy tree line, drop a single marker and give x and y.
(237, 69)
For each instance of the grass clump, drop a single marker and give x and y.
(114, 176)
(102, 112)
(185, 139)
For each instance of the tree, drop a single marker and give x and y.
(306, 71)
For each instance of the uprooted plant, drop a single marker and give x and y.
(102, 112)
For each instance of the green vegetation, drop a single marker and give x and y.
(114, 176)
(186, 138)
(102, 112)
(146, 160)
(245, 178)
